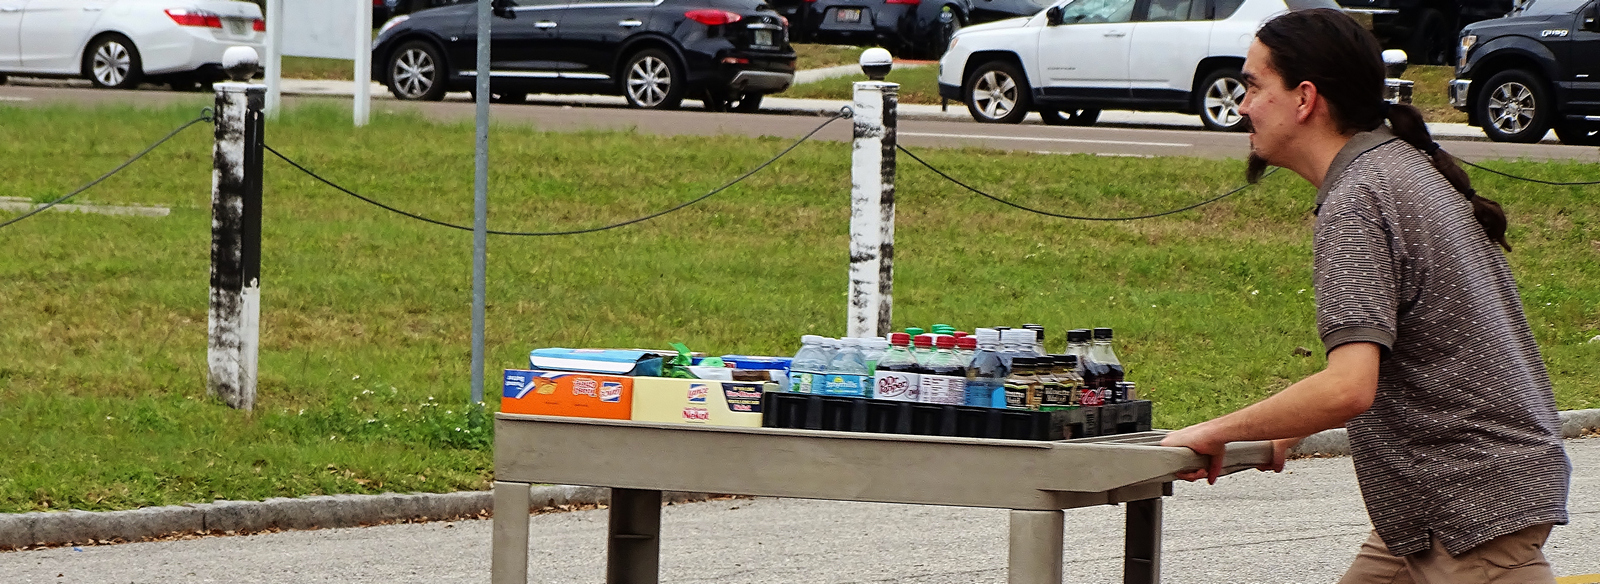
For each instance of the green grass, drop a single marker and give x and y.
(365, 315)
(1431, 92)
(819, 56)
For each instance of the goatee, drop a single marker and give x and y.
(1254, 168)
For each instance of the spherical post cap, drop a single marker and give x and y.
(240, 63)
(876, 62)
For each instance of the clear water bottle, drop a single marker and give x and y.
(874, 348)
(986, 374)
(847, 372)
(805, 372)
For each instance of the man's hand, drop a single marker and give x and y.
(1280, 452)
(1202, 440)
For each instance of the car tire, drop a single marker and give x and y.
(653, 79)
(416, 72)
(1082, 117)
(1218, 101)
(112, 62)
(1431, 41)
(998, 93)
(1515, 107)
(1577, 134)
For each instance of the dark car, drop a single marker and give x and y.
(727, 53)
(916, 29)
(1425, 29)
(1536, 69)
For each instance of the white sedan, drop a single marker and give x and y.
(122, 43)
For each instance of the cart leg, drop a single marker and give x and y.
(1036, 540)
(509, 556)
(633, 553)
(1142, 556)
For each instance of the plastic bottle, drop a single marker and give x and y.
(1066, 370)
(1038, 341)
(986, 374)
(805, 372)
(922, 349)
(913, 331)
(965, 348)
(874, 348)
(1018, 342)
(897, 375)
(1100, 351)
(1052, 390)
(1088, 369)
(1022, 386)
(847, 371)
(944, 380)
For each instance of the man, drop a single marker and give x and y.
(1431, 364)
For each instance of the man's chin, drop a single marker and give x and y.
(1255, 167)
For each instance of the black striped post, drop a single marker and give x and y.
(234, 315)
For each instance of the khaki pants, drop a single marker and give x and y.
(1516, 558)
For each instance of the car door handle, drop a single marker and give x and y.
(10, 9)
(92, 8)
(630, 23)
(544, 24)
(1116, 34)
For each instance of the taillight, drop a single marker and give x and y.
(713, 17)
(377, 2)
(258, 25)
(785, 20)
(195, 18)
(911, 2)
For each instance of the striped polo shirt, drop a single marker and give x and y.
(1462, 441)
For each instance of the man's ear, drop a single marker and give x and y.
(1310, 100)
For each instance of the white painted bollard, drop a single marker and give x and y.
(872, 200)
(234, 316)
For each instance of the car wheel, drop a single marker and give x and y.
(998, 93)
(1220, 95)
(1576, 134)
(652, 79)
(417, 72)
(113, 62)
(1431, 43)
(1514, 107)
(1082, 117)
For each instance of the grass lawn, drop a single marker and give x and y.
(365, 318)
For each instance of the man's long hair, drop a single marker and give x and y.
(1344, 61)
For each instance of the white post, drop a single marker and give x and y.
(363, 107)
(234, 314)
(872, 209)
(274, 76)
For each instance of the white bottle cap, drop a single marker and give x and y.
(812, 339)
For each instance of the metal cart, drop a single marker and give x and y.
(1036, 480)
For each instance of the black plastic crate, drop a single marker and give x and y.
(854, 414)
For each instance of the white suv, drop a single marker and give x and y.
(121, 43)
(1081, 56)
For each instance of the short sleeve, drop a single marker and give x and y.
(1357, 287)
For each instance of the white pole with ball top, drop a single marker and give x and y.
(872, 199)
(234, 315)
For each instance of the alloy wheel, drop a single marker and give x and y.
(995, 94)
(1511, 107)
(649, 81)
(1222, 101)
(414, 73)
(111, 64)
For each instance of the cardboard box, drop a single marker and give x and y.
(562, 393)
(698, 401)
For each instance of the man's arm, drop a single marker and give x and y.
(1324, 400)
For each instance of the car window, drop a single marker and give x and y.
(1091, 11)
(1171, 10)
(1550, 6)
(1197, 10)
(1226, 8)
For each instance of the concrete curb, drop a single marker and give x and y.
(237, 517)
(1336, 442)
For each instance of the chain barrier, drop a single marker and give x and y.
(1532, 180)
(844, 113)
(205, 116)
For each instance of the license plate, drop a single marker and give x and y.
(237, 27)
(847, 15)
(764, 37)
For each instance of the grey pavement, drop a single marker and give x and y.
(1302, 526)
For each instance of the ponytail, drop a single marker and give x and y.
(1407, 123)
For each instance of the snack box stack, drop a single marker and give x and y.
(626, 385)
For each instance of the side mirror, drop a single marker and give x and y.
(502, 9)
(1053, 16)
(1394, 62)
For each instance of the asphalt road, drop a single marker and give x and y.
(580, 114)
(1303, 526)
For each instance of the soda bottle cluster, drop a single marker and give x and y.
(997, 367)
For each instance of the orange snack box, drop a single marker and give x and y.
(565, 393)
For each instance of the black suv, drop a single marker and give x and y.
(1535, 69)
(913, 29)
(1425, 29)
(727, 53)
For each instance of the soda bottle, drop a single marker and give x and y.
(1038, 341)
(805, 372)
(913, 331)
(965, 348)
(986, 374)
(1088, 369)
(1018, 342)
(922, 349)
(874, 348)
(897, 376)
(944, 380)
(847, 371)
(1100, 351)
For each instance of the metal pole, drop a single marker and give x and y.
(480, 200)
(234, 315)
(274, 64)
(363, 73)
(872, 209)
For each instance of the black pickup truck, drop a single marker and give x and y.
(1536, 69)
(1425, 29)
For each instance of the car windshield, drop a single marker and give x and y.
(1531, 7)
